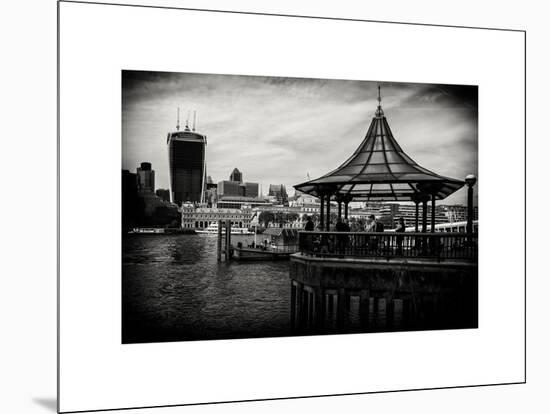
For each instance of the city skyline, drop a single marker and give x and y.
(277, 130)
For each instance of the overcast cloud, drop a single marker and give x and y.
(276, 130)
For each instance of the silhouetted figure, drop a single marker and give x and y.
(346, 225)
(309, 225)
(342, 240)
(400, 228)
(370, 225)
(340, 225)
(373, 226)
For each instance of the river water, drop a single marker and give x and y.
(173, 289)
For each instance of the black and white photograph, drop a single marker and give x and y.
(261, 207)
(258, 206)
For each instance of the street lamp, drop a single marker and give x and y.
(470, 181)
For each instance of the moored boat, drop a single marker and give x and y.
(213, 229)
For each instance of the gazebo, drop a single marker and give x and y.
(380, 170)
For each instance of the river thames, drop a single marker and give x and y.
(173, 289)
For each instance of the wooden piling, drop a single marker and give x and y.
(341, 308)
(220, 223)
(299, 310)
(227, 240)
(364, 308)
(319, 308)
(292, 305)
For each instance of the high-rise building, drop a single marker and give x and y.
(236, 175)
(251, 190)
(210, 184)
(229, 188)
(145, 178)
(279, 192)
(163, 193)
(187, 161)
(130, 200)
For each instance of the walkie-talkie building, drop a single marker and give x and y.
(187, 162)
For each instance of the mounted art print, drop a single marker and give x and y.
(268, 206)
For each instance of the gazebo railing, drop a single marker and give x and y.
(436, 246)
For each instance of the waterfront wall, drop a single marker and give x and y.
(369, 295)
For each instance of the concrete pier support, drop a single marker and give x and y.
(364, 308)
(319, 308)
(341, 308)
(292, 305)
(299, 310)
(333, 296)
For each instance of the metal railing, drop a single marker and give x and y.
(438, 246)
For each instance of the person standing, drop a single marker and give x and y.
(370, 226)
(372, 241)
(346, 225)
(309, 224)
(400, 228)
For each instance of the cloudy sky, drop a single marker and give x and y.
(277, 130)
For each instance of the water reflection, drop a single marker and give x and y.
(174, 289)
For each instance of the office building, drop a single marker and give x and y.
(236, 175)
(251, 189)
(163, 194)
(229, 188)
(457, 212)
(235, 187)
(238, 202)
(193, 217)
(145, 178)
(187, 163)
(389, 213)
(279, 192)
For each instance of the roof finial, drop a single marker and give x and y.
(178, 123)
(187, 121)
(194, 119)
(379, 111)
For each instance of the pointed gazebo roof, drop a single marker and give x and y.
(380, 170)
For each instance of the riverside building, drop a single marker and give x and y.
(145, 178)
(193, 217)
(389, 213)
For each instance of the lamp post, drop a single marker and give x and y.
(470, 181)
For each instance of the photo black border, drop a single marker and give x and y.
(301, 17)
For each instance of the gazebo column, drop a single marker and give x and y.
(424, 214)
(416, 216)
(339, 209)
(423, 196)
(322, 218)
(433, 214)
(328, 213)
(346, 209)
(416, 198)
(470, 181)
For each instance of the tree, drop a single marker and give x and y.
(279, 217)
(291, 217)
(266, 217)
